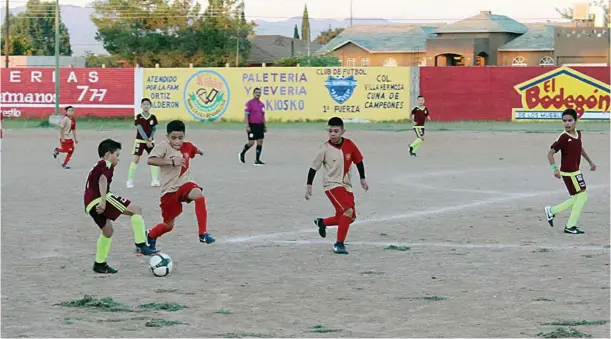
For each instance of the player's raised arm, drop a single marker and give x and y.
(552, 162)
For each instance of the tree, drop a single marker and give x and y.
(173, 33)
(311, 61)
(296, 32)
(567, 13)
(324, 37)
(305, 25)
(32, 32)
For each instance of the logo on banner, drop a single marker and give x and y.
(548, 95)
(206, 95)
(341, 89)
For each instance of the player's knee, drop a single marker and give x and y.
(349, 212)
(196, 193)
(107, 231)
(352, 220)
(260, 142)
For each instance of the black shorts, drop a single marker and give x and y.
(419, 131)
(257, 132)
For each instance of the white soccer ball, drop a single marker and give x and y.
(161, 264)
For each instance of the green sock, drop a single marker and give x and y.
(580, 202)
(138, 228)
(155, 173)
(103, 249)
(132, 171)
(563, 206)
(416, 145)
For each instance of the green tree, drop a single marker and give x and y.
(567, 13)
(324, 37)
(296, 32)
(32, 32)
(173, 33)
(305, 25)
(311, 61)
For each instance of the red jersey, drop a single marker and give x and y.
(92, 188)
(336, 161)
(419, 115)
(147, 125)
(570, 151)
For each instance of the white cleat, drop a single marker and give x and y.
(155, 183)
(129, 184)
(550, 216)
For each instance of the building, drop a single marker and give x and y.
(267, 49)
(484, 39)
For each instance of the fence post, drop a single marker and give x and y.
(103, 65)
(156, 65)
(191, 65)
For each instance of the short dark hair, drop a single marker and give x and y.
(108, 145)
(420, 96)
(67, 108)
(176, 126)
(571, 112)
(256, 89)
(145, 100)
(336, 122)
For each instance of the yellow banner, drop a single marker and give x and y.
(289, 93)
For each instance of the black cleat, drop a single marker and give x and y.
(103, 268)
(339, 248)
(573, 230)
(411, 151)
(241, 156)
(322, 229)
(549, 215)
(55, 153)
(144, 249)
(259, 163)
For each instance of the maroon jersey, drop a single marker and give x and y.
(92, 188)
(570, 151)
(146, 124)
(419, 115)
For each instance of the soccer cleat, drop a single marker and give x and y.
(259, 163)
(322, 229)
(65, 167)
(129, 184)
(55, 153)
(411, 151)
(152, 242)
(241, 156)
(155, 183)
(573, 230)
(206, 238)
(339, 248)
(103, 268)
(144, 249)
(550, 216)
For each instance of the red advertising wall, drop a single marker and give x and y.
(99, 92)
(482, 93)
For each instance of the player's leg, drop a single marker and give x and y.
(196, 194)
(103, 247)
(414, 146)
(69, 149)
(138, 226)
(551, 211)
(247, 146)
(171, 208)
(259, 135)
(581, 197)
(343, 202)
(154, 171)
(133, 165)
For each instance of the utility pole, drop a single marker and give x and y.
(56, 56)
(237, 47)
(6, 36)
(351, 12)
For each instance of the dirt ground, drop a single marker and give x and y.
(482, 261)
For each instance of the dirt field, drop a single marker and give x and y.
(482, 261)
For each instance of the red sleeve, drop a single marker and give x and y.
(426, 111)
(137, 120)
(155, 123)
(192, 150)
(356, 154)
(560, 143)
(413, 111)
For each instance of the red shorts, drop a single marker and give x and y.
(171, 203)
(115, 206)
(574, 183)
(67, 145)
(342, 200)
(140, 147)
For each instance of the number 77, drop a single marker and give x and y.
(99, 93)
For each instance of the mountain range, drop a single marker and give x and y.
(83, 30)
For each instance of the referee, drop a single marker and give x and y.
(254, 119)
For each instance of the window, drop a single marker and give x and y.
(390, 62)
(364, 62)
(350, 62)
(422, 61)
(518, 62)
(547, 61)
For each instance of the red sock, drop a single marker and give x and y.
(68, 156)
(159, 230)
(202, 214)
(330, 221)
(342, 227)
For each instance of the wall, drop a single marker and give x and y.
(376, 59)
(489, 93)
(580, 44)
(532, 58)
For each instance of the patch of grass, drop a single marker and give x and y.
(124, 329)
(71, 320)
(401, 248)
(372, 273)
(607, 246)
(163, 323)
(383, 234)
(168, 290)
(172, 307)
(118, 320)
(104, 304)
(589, 256)
(577, 323)
(324, 329)
(429, 298)
(562, 332)
(245, 335)
(543, 250)
(223, 311)
(543, 299)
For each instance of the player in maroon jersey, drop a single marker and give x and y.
(420, 114)
(146, 125)
(569, 143)
(105, 207)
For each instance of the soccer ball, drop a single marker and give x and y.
(161, 264)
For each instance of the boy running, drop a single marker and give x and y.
(146, 125)
(336, 156)
(420, 114)
(569, 143)
(97, 195)
(173, 157)
(67, 136)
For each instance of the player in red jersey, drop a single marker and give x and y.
(173, 158)
(335, 157)
(105, 207)
(146, 125)
(569, 143)
(67, 136)
(420, 114)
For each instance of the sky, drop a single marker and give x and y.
(401, 10)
